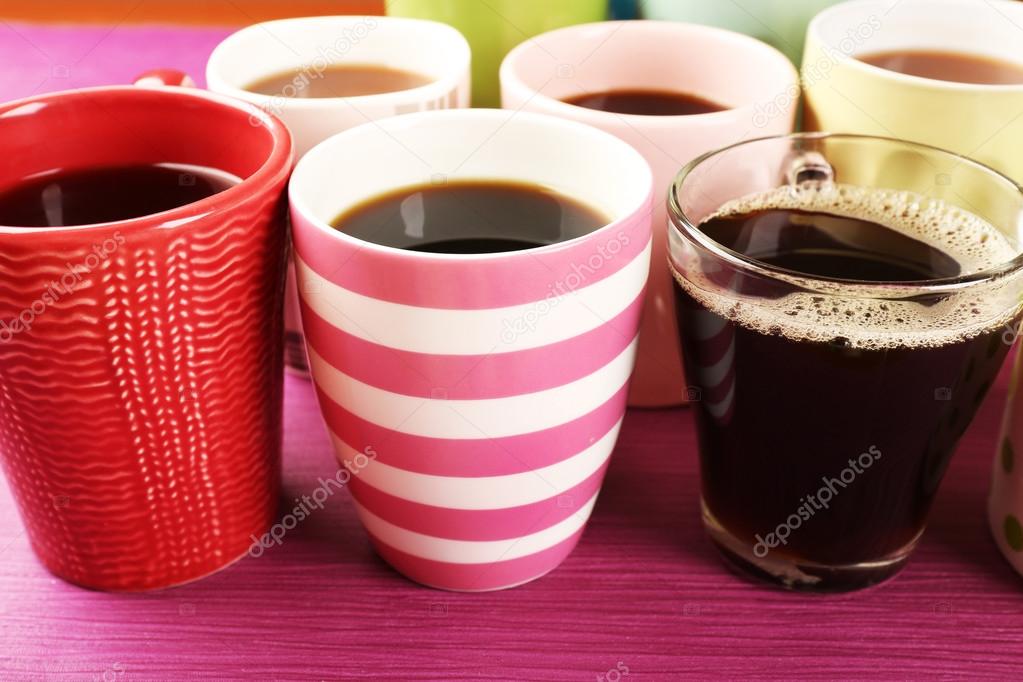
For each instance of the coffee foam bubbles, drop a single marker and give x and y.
(869, 315)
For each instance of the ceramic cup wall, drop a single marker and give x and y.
(312, 44)
(845, 95)
(494, 27)
(141, 360)
(475, 398)
(755, 80)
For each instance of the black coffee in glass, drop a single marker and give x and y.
(826, 419)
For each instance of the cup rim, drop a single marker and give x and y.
(508, 74)
(299, 205)
(682, 226)
(277, 163)
(435, 89)
(814, 33)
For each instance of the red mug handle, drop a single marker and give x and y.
(158, 78)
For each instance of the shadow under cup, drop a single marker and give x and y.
(141, 360)
(830, 407)
(475, 399)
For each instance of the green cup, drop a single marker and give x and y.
(781, 23)
(494, 27)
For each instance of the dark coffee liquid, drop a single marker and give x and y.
(338, 80)
(957, 67)
(474, 246)
(825, 245)
(470, 217)
(646, 102)
(780, 417)
(100, 195)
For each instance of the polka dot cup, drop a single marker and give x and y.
(1005, 506)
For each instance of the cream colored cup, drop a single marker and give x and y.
(845, 95)
(309, 45)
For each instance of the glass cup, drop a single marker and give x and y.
(829, 407)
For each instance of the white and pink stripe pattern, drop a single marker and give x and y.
(490, 389)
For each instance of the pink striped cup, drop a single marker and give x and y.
(476, 399)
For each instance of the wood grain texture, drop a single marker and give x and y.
(643, 588)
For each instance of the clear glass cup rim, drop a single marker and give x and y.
(689, 229)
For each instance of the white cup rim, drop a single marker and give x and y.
(333, 147)
(509, 74)
(435, 89)
(815, 33)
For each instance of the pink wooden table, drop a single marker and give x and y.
(644, 593)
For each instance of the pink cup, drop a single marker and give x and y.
(758, 83)
(475, 399)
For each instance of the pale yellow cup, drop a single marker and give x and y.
(845, 95)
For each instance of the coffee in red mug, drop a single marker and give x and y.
(142, 254)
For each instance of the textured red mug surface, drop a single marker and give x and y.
(140, 360)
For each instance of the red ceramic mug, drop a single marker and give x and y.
(141, 360)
